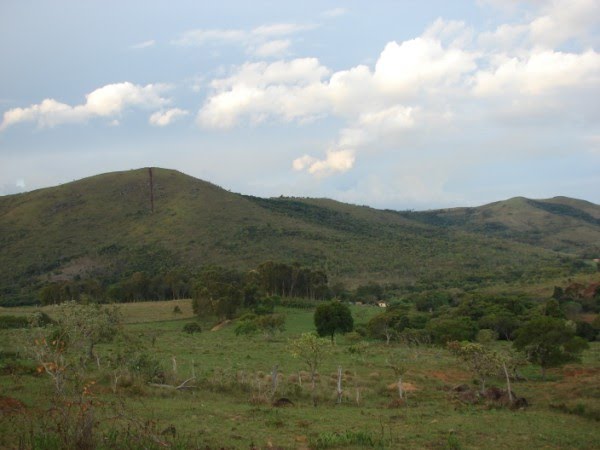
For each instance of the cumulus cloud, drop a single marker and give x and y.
(538, 72)
(555, 23)
(107, 101)
(334, 161)
(446, 77)
(289, 90)
(263, 41)
(164, 118)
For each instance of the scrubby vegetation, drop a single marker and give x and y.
(427, 371)
(99, 234)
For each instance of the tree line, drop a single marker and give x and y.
(269, 278)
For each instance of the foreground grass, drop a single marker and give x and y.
(231, 406)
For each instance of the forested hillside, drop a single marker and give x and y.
(110, 226)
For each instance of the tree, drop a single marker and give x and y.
(446, 328)
(387, 325)
(84, 326)
(481, 360)
(333, 317)
(217, 291)
(311, 349)
(549, 342)
(271, 324)
(63, 354)
(502, 321)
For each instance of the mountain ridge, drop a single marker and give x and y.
(102, 226)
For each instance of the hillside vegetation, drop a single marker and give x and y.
(103, 227)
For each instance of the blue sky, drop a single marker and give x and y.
(392, 104)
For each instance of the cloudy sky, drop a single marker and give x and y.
(388, 103)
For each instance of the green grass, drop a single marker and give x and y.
(231, 407)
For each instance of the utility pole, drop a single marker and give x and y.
(151, 190)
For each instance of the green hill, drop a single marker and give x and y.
(103, 227)
(560, 223)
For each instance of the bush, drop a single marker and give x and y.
(445, 329)
(246, 327)
(8, 322)
(148, 367)
(192, 327)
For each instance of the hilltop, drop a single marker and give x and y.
(560, 223)
(103, 226)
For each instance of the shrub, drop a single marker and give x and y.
(192, 327)
(8, 322)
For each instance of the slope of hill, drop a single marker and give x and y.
(560, 223)
(103, 227)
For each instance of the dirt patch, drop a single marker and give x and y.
(449, 375)
(407, 387)
(221, 325)
(9, 405)
(580, 372)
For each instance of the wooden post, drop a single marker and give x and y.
(510, 397)
(339, 385)
(400, 390)
(274, 379)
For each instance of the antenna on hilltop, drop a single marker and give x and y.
(151, 190)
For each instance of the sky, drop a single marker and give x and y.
(389, 103)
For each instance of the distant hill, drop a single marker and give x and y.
(562, 224)
(103, 227)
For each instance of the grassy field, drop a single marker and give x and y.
(231, 404)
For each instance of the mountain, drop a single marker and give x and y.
(104, 227)
(562, 224)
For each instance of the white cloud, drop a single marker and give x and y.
(107, 101)
(201, 37)
(555, 23)
(538, 72)
(420, 63)
(164, 118)
(262, 41)
(142, 45)
(280, 29)
(445, 79)
(335, 161)
(273, 48)
(289, 90)
(335, 12)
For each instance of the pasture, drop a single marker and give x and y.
(227, 400)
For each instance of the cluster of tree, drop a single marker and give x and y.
(173, 284)
(442, 318)
(222, 292)
(267, 324)
(578, 297)
(291, 280)
(268, 279)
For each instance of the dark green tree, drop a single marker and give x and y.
(446, 328)
(549, 342)
(333, 317)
